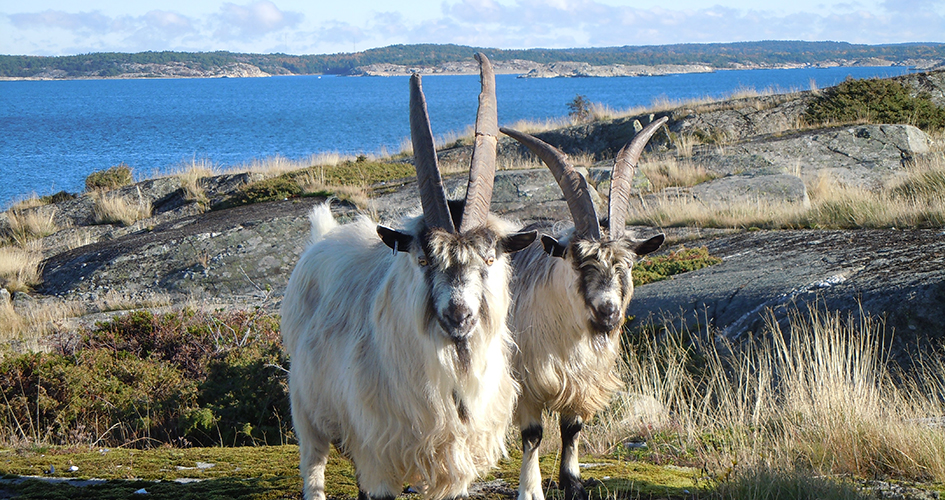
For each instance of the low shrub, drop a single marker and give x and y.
(579, 109)
(875, 101)
(95, 396)
(57, 197)
(113, 177)
(276, 188)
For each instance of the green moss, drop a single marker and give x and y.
(272, 472)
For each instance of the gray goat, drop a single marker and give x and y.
(570, 300)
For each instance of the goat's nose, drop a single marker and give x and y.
(609, 312)
(459, 314)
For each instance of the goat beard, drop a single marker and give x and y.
(462, 353)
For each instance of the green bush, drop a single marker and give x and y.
(875, 101)
(113, 177)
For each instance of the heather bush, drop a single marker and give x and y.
(143, 379)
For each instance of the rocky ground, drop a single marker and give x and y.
(243, 256)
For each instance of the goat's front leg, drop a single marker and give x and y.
(313, 453)
(529, 485)
(569, 477)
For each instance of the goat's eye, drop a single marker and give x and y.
(490, 260)
(422, 261)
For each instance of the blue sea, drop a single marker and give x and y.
(54, 133)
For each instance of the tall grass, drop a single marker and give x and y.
(26, 226)
(110, 209)
(20, 267)
(819, 398)
(671, 172)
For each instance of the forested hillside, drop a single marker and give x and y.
(718, 55)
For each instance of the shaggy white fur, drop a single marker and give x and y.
(374, 372)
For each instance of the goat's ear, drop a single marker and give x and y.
(518, 241)
(395, 239)
(651, 245)
(552, 246)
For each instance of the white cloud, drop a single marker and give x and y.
(94, 21)
(261, 25)
(908, 6)
(253, 20)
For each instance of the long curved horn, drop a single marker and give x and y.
(436, 212)
(621, 179)
(482, 166)
(573, 184)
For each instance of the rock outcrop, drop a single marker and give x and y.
(894, 276)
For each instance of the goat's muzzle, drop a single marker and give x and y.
(606, 318)
(458, 320)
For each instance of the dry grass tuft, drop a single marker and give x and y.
(11, 324)
(190, 176)
(35, 321)
(278, 165)
(538, 126)
(31, 201)
(313, 181)
(670, 172)
(32, 225)
(120, 210)
(20, 268)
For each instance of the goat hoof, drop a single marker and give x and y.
(574, 490)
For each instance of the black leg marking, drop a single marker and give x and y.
(531, 437)
(570, 427)
(570, 479)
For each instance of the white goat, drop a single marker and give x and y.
(571, 294)
(401, 359)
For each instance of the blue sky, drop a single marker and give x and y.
(59, 27)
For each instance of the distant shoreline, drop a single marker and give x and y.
(524, 69)
(449, 59)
